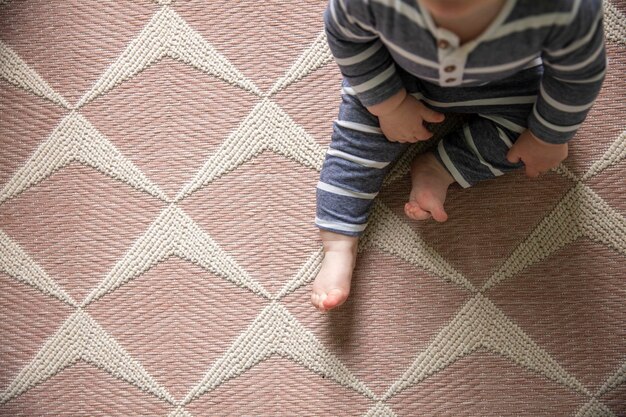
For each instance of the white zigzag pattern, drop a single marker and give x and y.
(17, 264)
(580, 213)
(77, 140)
(16, 72)
(267, 127)
(276, 331)
(481, 324)
(167, 34)
(81, 338)
(174, 233)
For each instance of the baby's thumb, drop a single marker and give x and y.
(513, 156)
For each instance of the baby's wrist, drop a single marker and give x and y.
(390, 105)
(543, 142)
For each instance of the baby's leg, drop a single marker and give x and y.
(471, 154)
(357, 161)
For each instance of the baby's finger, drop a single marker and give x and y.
(402, 139)
(421, 133)
(431, 116)
(393, 135)
(513, 156)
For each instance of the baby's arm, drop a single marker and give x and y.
(574, 67)
(369, 69)
(361, 56)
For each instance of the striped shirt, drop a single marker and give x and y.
(368, 38)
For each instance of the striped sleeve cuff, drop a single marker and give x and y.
(548, 131)
(562, 106)
(377, 89)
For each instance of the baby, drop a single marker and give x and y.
(526, 71)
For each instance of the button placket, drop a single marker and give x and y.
(451, 59)
(451, 70)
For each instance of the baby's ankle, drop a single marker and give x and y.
(338, 243)
(428, 162)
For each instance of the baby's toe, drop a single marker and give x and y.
(440, 215)
(414, 211)
(317, 299)
(435, 209)
(334, 298)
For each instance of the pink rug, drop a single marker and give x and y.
(158, 163)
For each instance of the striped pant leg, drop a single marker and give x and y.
(357, 161)
(478, 150)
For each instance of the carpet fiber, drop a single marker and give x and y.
(158, 164)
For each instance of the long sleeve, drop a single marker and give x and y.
(361, 56)
(574, 67)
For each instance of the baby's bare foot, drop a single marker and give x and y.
(430, 182)
(332, 284)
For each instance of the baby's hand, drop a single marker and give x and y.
(537, 155)
(405, 123)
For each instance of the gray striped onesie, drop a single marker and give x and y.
(539, 65)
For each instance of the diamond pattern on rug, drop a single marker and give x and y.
(498, 387)
(71, 43)
(101, 217)
(26, 119)
(158, 163)
(262, 55)
(191, 126)
(266, 229)
(22, 326)
(100, 395)
(176, 331)
(576, 312)
(293, 390)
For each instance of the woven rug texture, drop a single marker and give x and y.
(158, 165)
